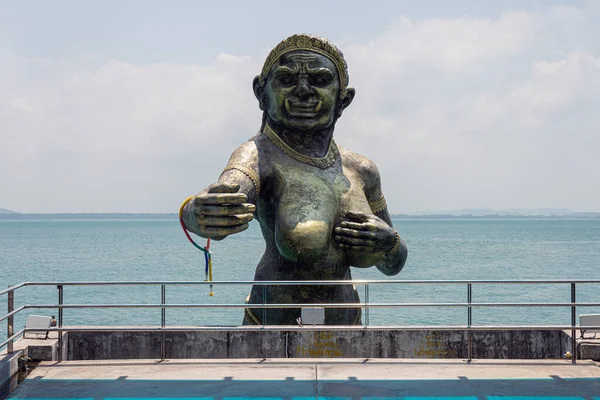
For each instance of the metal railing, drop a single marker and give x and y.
(365, 304)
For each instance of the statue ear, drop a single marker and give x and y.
(345, 102)
(259, 91)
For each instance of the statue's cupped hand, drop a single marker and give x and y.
(361, 232)
(221, 211)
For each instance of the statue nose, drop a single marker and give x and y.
(303, 89)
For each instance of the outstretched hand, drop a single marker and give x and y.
(363, 232)
(222, 211)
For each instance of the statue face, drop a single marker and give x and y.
(302, 91)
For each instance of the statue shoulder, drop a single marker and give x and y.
(364, 166)
(246, 153)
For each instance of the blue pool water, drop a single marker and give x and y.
(324, 398)
(291, 389)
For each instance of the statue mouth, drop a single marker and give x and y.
(303, 109)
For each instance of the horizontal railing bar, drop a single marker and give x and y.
(300, 305)
(22, 331)
(316, 283)
(13, 312)
(320, 327)
(11, 288)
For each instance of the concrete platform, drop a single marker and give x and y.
(37, 349)
(310, 378)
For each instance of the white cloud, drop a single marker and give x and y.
(456, 45)
(118, 132)
(458, 112)
(489, 127)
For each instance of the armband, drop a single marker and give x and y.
(395, 248)
(378, 205)
(249, 172)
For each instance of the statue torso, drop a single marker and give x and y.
(300, 205)
(298, 208)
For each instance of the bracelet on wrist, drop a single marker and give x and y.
(396, 246)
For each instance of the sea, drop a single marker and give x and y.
(439, 249)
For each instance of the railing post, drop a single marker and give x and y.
(470, 321)
(10, 327)
(264, 321)
(60, 321)
(573, 323)
(163, 311)
(264, 313)
(366, 304)
(163, 321)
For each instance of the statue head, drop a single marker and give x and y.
(303, 84)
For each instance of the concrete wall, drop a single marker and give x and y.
(306, 344)
(589, 351)
(9, 366)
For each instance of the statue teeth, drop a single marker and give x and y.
(303, 109)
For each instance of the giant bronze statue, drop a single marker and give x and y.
(320, 206)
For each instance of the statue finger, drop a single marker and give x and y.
(357, 226)
(223, 187)
(220, 198)
(214, 210)
(362, 249)
(215, 231)
(230, 220)
(355, 233)
(354, 241)
(358, 216)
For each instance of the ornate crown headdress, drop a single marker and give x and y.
(306, 42)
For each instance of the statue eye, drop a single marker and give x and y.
(286, 79)
(319, 80)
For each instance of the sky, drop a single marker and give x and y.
(132, 106)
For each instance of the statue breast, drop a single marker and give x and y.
(307, 207)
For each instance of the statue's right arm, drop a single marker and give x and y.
(227, 206)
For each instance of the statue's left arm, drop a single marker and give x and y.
(395, 257)
(371, 237)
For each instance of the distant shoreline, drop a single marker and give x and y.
(173, 216)
(61, 216)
